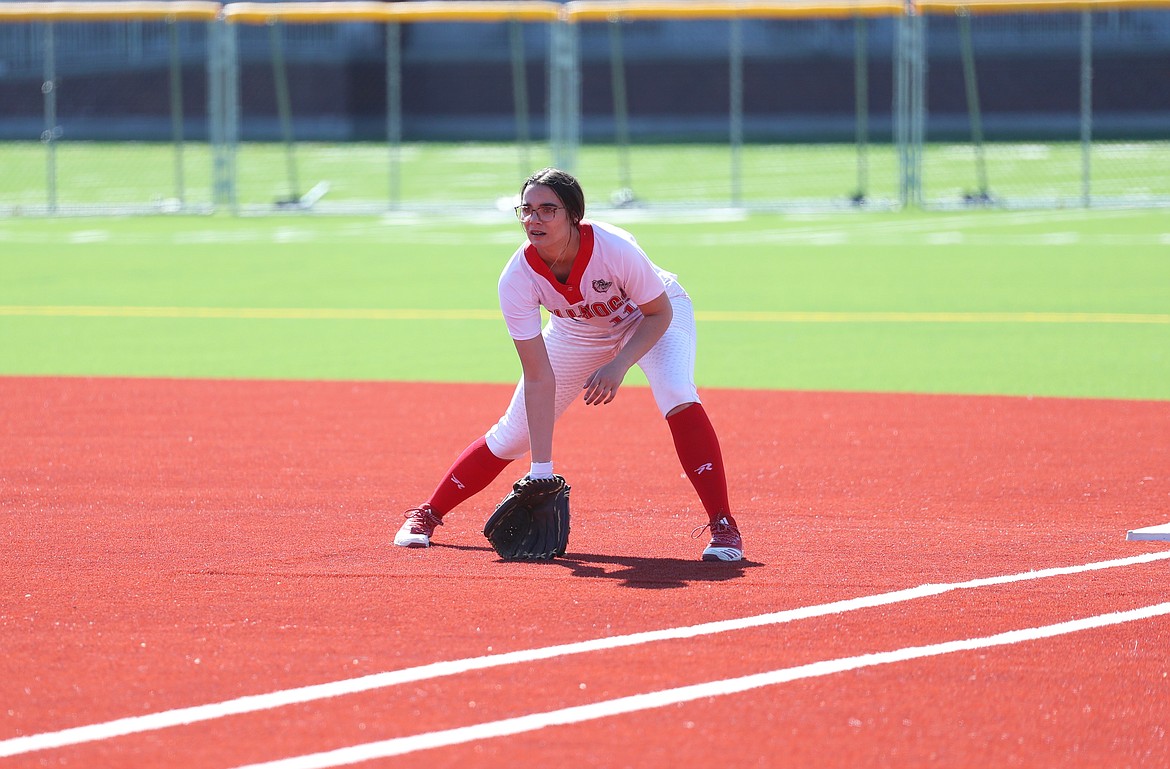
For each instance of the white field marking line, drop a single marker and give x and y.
(257, 702)
(651, 700)
(295, 313)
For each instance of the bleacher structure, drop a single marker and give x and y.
(196, 106)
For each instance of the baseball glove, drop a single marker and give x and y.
(532, 522)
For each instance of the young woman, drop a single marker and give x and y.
(610, 308)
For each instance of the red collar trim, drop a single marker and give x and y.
(570, 289)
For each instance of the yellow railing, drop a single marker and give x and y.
(536, 10)
(181, 10)
(1038, 6)
(429, 10)
(583, 10)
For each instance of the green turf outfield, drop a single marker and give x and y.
(1068, 303)
(96, 173)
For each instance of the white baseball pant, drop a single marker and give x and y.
(669, 367)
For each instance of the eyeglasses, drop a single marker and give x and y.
(545, 212)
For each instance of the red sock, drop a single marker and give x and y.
(475, 468)
(702, 461)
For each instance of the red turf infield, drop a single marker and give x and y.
(173, 543)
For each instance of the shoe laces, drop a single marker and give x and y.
(423, 518)
(720, 527)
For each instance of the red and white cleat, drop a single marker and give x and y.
(419, 526)
(726, 543)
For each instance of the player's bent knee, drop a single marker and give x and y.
(674, 399)
(505, 446)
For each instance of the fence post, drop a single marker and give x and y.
(394, 109)
(735, 107)
(861, 106)
(1086, 106)
(223, 110)
(564, 102)
(52, 131)
(176, 72)
(909, 103)
(519, 92)
(215, 107)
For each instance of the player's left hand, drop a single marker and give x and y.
(603, 385)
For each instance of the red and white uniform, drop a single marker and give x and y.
(592, 315)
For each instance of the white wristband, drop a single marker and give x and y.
(541, 470)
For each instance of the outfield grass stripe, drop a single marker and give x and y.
(932, 317)
(246, 313)
(717, 316)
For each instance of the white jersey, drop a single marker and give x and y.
(611, 276)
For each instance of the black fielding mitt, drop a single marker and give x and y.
(532, 522)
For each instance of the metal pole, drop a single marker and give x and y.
(971, 86)
(215, 107)
(284, 109)
(1086, 105)
(51, 131)
(223, 109)
(231, 117)
(177, 109)
(564, 94)
(910, 104)
(902, 118)
(520, 94)
(918, 104)
(861, 106)
(621, 115)
(394, 108)
(556, 94)
(735, 108)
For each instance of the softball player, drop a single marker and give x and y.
(610, 308)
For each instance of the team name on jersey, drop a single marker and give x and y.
(616, 308)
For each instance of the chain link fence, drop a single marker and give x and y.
(357, 107)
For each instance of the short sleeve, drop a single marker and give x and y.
(519, 304)
(640, 278)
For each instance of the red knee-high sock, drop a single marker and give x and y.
(475, 468)
(702, 461)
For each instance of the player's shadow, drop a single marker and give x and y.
(634, 571)
(652, 573)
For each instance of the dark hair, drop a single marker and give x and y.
(566, 187)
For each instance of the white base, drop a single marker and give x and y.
(1161, 533)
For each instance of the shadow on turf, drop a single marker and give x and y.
(652, 573)
(639, 572)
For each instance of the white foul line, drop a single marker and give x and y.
(575, 715)
(258, 702)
